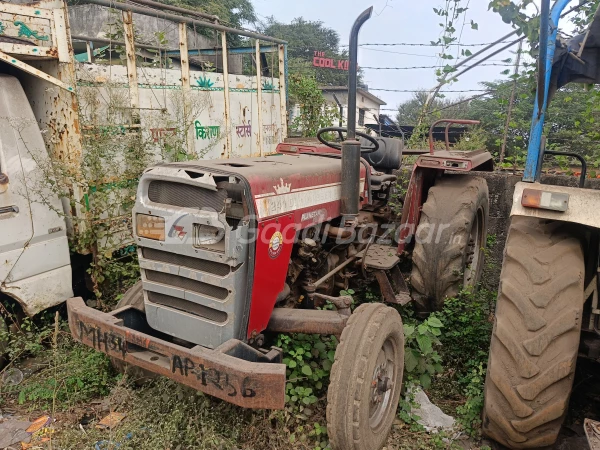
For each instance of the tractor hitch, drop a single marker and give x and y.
(234, 371)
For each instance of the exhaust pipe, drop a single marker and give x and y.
(351, 147)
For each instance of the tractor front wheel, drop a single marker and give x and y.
(536, 335)
(366, 379)
(450, 239)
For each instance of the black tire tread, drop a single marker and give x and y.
(349, 373)
(437, 271)
(536, 335)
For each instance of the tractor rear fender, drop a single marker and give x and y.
(459, 161)
(425, 170)
(582, 205)
(421, 180)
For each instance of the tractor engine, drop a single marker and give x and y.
(224, 242)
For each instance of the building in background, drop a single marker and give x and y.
(367, 105)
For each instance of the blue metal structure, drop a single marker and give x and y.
(549, 27)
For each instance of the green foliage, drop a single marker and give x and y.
(70, 373)
(450, 15)
(304, 37)
(421, 358)
(473, 139)
(469, 414)
(29, 338)
(570, 122)
(410, 111)
(84, 374)
(315, 113)
(233, 12)
(515, 13)
(106, 175)
(465, 342)
(309, 359)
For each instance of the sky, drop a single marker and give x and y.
(393, 21)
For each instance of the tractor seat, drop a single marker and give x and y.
(389, 155)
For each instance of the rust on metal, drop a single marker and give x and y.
(134, 93)
(259, 136)
(592, 432)
(214, 372)
(309, 321)
(449, 122)
(459, 161)
(386, 287)
(282, 88)
(382, 257)
(225, 57)
(403, 294)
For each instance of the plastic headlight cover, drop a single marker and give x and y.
(150, 227)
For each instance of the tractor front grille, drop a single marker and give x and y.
(189, 307)
(187, 284)
(185, 195)
(202, 265)
(191, 292)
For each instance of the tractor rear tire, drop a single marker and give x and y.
(366, 379)
(536, 334)
(133, 297)
(450, 240)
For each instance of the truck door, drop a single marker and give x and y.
(34, 250)
(15, 214)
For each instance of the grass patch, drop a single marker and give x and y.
(59, 373)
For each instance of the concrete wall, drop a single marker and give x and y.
(501, 186)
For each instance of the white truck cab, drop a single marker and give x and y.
(35, 266)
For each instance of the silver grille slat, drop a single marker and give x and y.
(201, 265)
(185, 195)
(187, 284)
(187, 306)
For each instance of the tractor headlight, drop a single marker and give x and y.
(150, 227)
(207, 235)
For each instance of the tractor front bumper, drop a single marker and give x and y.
(234, 371)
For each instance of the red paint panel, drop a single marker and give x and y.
(420, 182)
(270, 269)
(411, 211)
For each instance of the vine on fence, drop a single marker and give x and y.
(315, 112)
(115, 153)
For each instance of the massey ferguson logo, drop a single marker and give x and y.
(178, 231)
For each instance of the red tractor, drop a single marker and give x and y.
(232, 251)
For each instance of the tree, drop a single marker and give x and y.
(410, 110)
(304, 37)
(315, 113)
(234, 12)
(570, 121)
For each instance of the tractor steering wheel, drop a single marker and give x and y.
(339, 131)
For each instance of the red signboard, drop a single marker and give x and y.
(319, 60)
